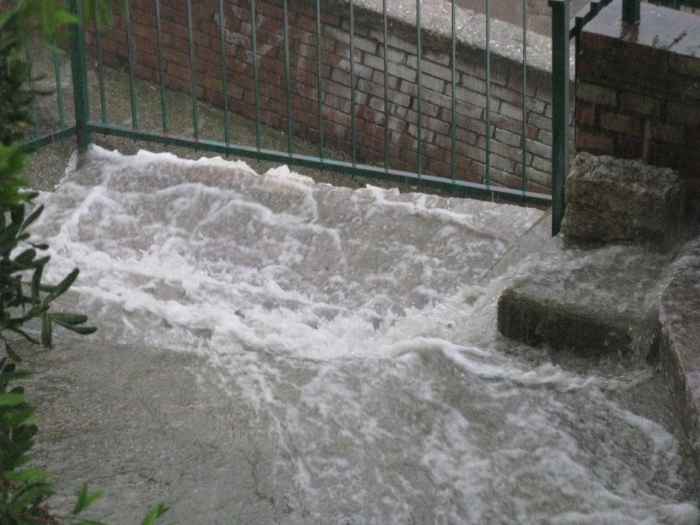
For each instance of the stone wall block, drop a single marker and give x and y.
(611, 199)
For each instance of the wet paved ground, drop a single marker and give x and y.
(511, 11)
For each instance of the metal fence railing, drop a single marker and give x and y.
(562, 33)
(563, 29)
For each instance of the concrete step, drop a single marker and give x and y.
(679, 313)
(592, 299)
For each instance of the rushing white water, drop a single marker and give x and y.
(356, 329)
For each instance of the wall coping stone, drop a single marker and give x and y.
(662, 28)
(506, 38)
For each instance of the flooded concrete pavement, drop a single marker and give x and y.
(271, 350)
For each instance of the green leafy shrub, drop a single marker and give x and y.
(24, 297)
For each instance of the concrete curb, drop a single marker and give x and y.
(679, 313)
(592, 299)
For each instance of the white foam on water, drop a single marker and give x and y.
(356, 326)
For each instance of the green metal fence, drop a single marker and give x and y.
(84, 126)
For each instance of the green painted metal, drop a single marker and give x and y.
(79, 78)
(563, 30)
(385, 42)
(319, 79)
(631, 11)
(353, 101)
(453, 102)
(488, 93)
(224, 72)
(256, 71)
(44, 140)
(100, 69)
(288, 80)
(419, 94)
(459, 187)
(161, 70)
(193, 74)
(59, 90)
(84, 127)
(524, 131)
(35, 114)
(132, 67)
(560, 108)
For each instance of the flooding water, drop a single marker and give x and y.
(345, 341)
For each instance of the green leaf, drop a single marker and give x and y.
(46, 331)
(85, 499)
(19, 417)
(33, 216)
(25, 335)
(30, 494)
(62, 287)
(29, 474)
(81, 330)
(13, 355)
(12, 375)
(26, 258)
(69, 319)
(9, 400)
(72, 321)
(36, 283)
(154, 513)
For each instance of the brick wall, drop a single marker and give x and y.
(638, 94)
(506, 104)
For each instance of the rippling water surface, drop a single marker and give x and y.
(354, 333)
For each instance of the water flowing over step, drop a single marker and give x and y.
(271, 350)
(621, 280)
(590, 299)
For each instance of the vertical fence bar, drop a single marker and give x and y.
(385, 36)
(193, 73)
(35, 116)
(288, 80)
(132, 62)
(419, 95)
(256, 72)
(224, 72)
(524, 152)
(319, 79)
(487, 180)
(79, 77)
(59, 90)
(453, 101)
(353, 102)
(560, 107)
(161, 69)
(631, 11)
(100, 69)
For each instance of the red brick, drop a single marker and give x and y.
(681, 113)
(685, 65)
(596, 94)
(629, 147)
(621, 123)
(668, 134)
(638, 103)
(595, 143)
(587, 65)
(585, 114)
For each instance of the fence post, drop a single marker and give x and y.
(560, 107)
(631, 11)
(79, 76)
